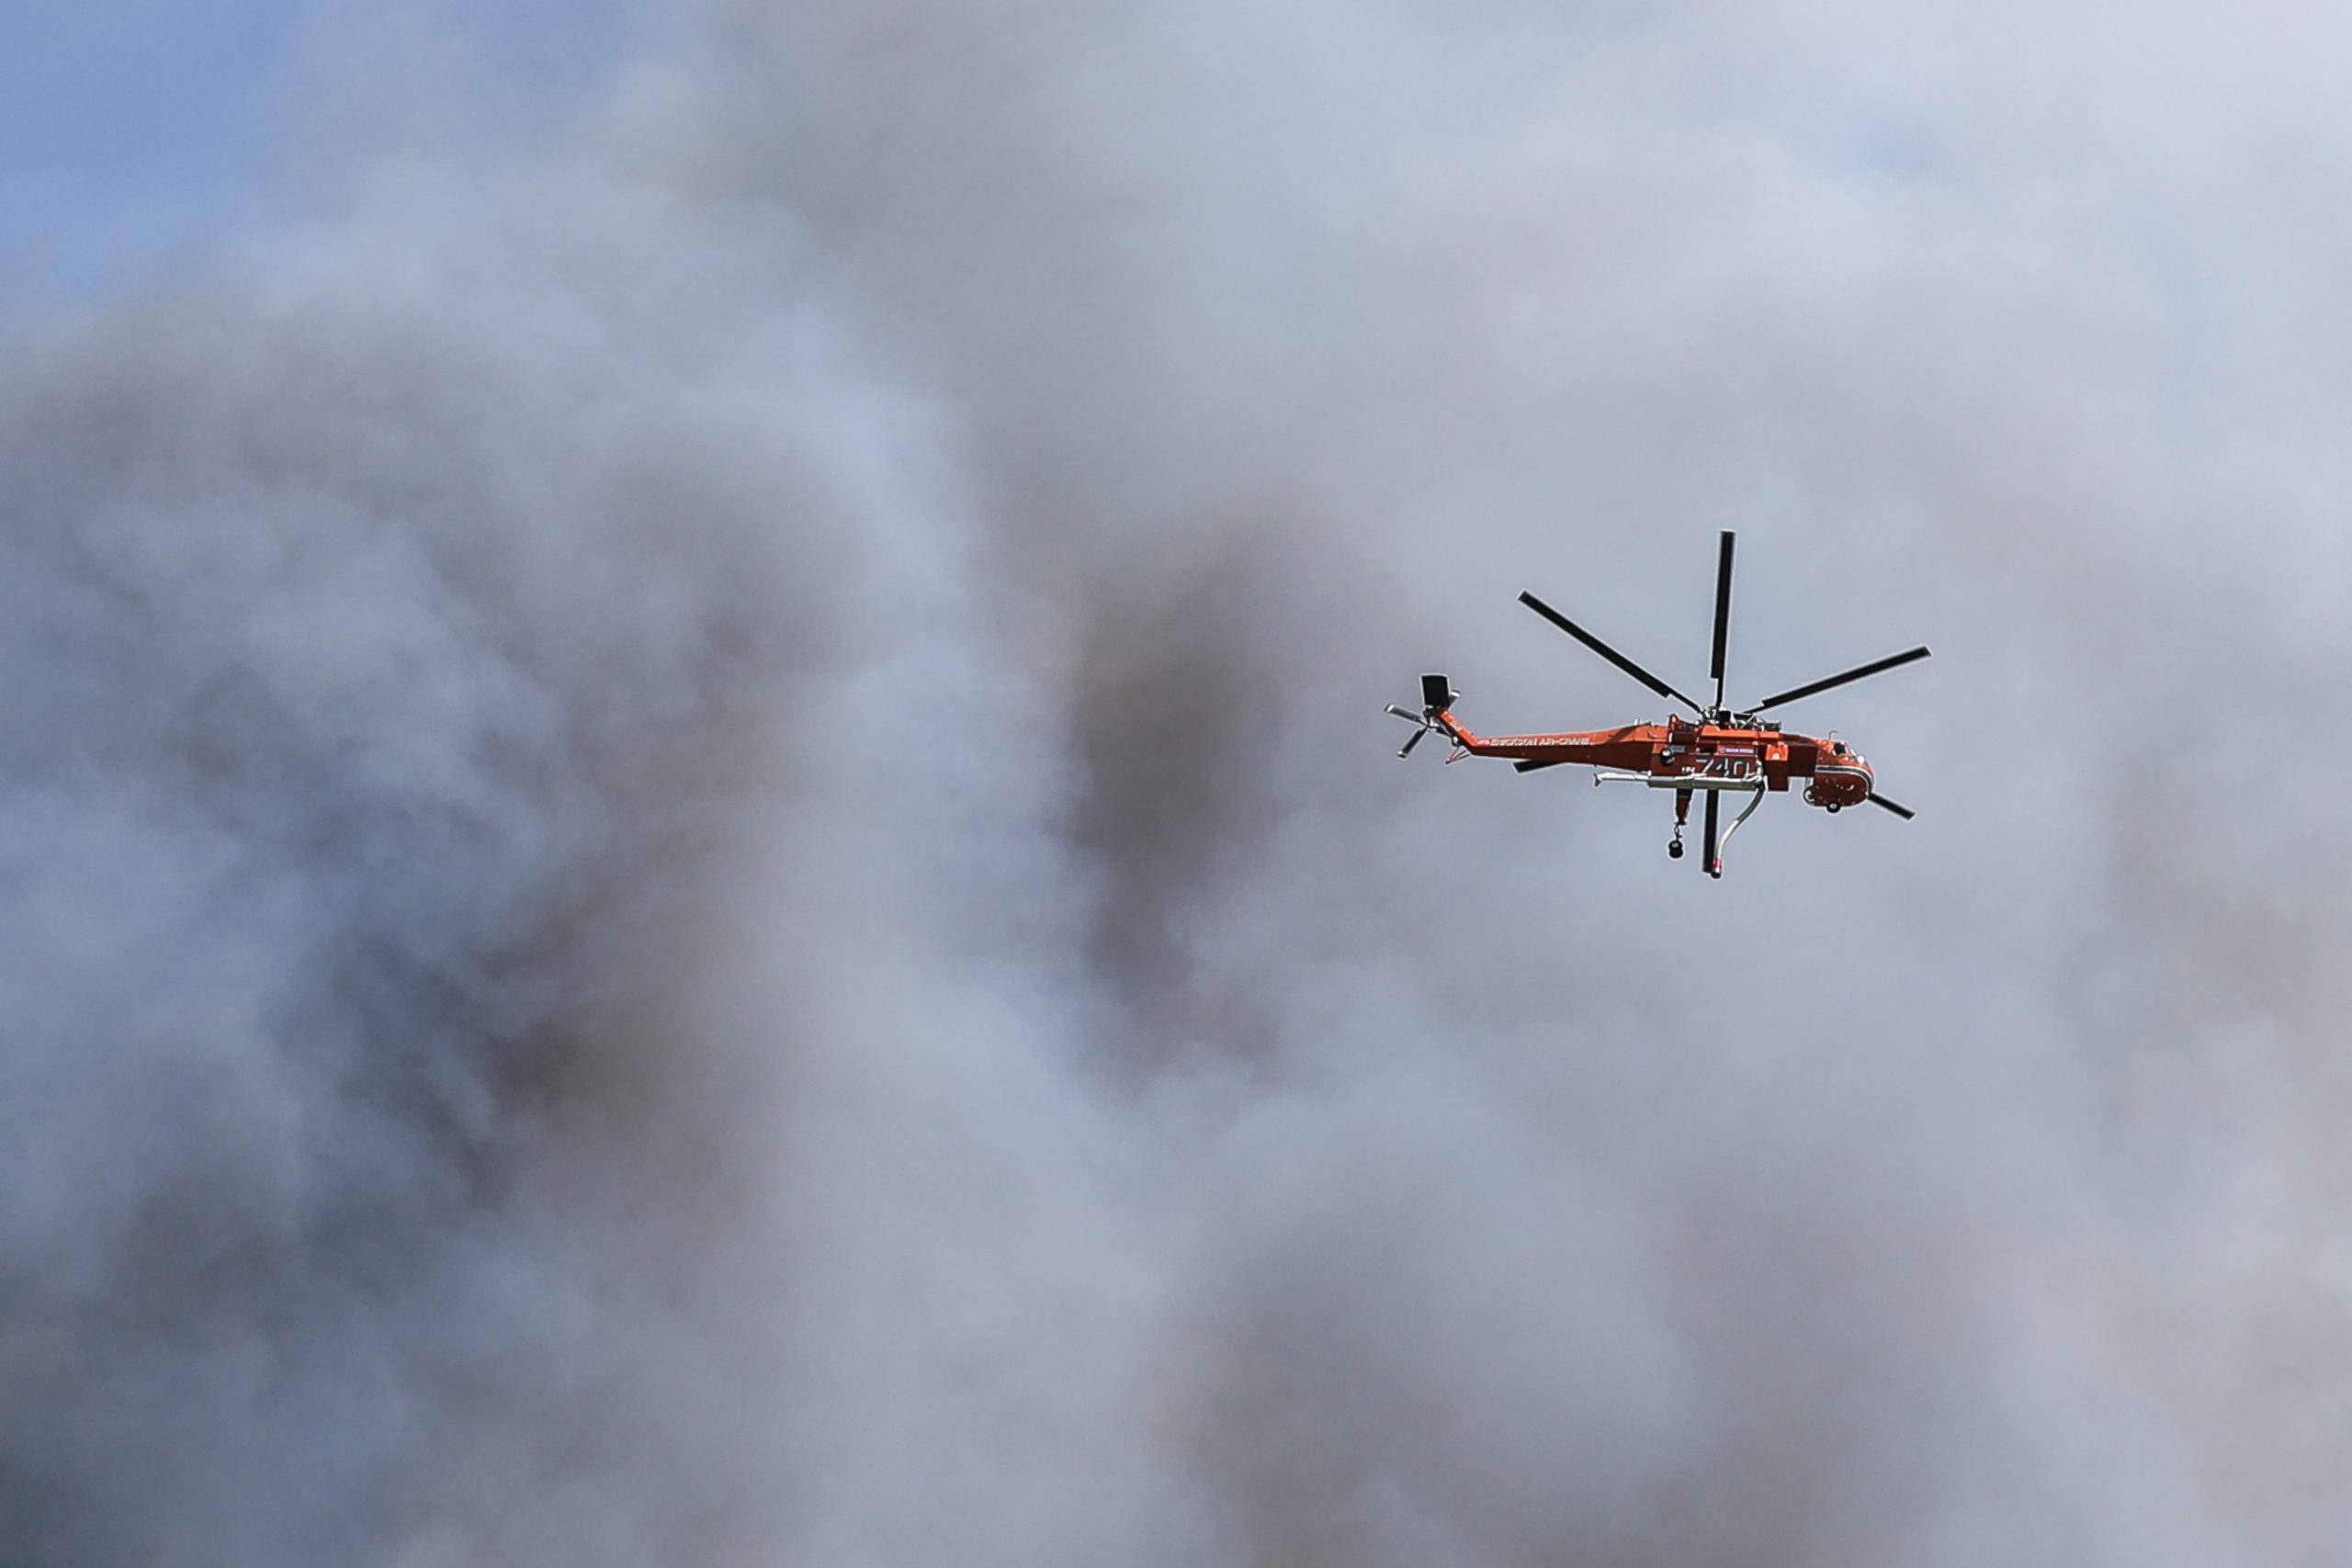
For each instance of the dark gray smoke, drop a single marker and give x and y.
(701, 867)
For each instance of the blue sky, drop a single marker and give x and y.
(128, 129)
(131, 131)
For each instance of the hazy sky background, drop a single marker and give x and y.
(699, 861)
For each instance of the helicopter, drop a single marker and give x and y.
(1720, 748)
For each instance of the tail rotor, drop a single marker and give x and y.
(1438, 696)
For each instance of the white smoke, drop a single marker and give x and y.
(702, 867)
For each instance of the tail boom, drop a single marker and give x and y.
(1631, 747)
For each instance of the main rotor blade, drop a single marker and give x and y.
(1722, 614)
(1854, 674)
(1883, 804)
(1602, 649)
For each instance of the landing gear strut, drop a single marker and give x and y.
(1681, 815)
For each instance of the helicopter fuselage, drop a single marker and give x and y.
(1727, 747)
(1691, 754)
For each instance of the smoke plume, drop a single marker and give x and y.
(700, 864)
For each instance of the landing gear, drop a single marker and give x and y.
(1674, 845)
(1681, 815)
(1835, 807)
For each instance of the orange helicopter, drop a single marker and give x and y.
(1722, 749)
